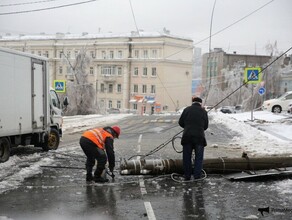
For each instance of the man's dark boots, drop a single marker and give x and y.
(89, 177)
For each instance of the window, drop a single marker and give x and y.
(153, 71)
(145, 71)
(55, 99)
(91, 70)
(136, 71)
(76, 53)
(110, 104)
(120, 54)
(103, 54)
(101, 87)
(60, 70)
(69, 70)
(39, 53)
(135, 88)
(108, 70)
(119, 104)
(119, 71)
(111, 54)
(46, 54)
(119, 88)
(144, 88)
(153, 89)
(68, 54)
(92, 54)
(145, 53)
(102, 103)
(135, 106)
(136, 53)
(110, 88)
(154, 53)
(60, 54)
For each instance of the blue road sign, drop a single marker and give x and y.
(252, 75)
(59, 85)
(262, 90)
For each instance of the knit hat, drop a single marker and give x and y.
(197, 99)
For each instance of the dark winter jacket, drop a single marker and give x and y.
(194, 120)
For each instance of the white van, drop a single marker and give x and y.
(279, 104)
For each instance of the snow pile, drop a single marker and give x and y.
(274, 140)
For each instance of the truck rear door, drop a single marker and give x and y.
(39, 94)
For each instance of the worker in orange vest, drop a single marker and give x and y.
(98, 144)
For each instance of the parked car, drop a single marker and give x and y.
(290, 108)
(208, 108)
(279, 104)
(227, 109)
(180, 111)
(113, 111)
(238, 108)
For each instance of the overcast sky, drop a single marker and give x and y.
(186, 18)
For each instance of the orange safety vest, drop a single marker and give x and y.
(97, 136)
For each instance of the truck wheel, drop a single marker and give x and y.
(53, 140)
(4, 149)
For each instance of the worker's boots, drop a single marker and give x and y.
(100, 180)
(100, 176)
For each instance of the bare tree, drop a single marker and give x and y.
(80, 92)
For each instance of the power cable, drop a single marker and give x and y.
(27, 3)
(49, 8)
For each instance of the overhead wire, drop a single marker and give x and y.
(48, 8)
(27, 3)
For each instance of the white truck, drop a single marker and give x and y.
(30, 111)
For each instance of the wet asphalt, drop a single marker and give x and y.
(61, 192)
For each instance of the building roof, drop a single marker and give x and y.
(85, 35)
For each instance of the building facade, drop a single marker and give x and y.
(143, 72)
(217, 60)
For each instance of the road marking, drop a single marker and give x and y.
(142, 186)
(149, 210)
(148, 207)
(139, 146)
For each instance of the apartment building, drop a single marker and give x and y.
(144, 72)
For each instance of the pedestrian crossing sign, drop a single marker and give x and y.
(60, 85)
(252, 75)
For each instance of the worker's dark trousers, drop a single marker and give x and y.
(187, 160)
(93, 153)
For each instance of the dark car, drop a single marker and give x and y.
(113, 111)
(227, 109)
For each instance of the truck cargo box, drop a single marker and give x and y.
(23, 93)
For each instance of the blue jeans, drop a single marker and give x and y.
(187, 160)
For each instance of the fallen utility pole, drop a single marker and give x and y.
(219, 165)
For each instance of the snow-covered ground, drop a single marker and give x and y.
(267, 134)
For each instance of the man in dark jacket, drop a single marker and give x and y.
(98, 144)
(194, 120)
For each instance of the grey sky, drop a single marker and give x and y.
(186, 18)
